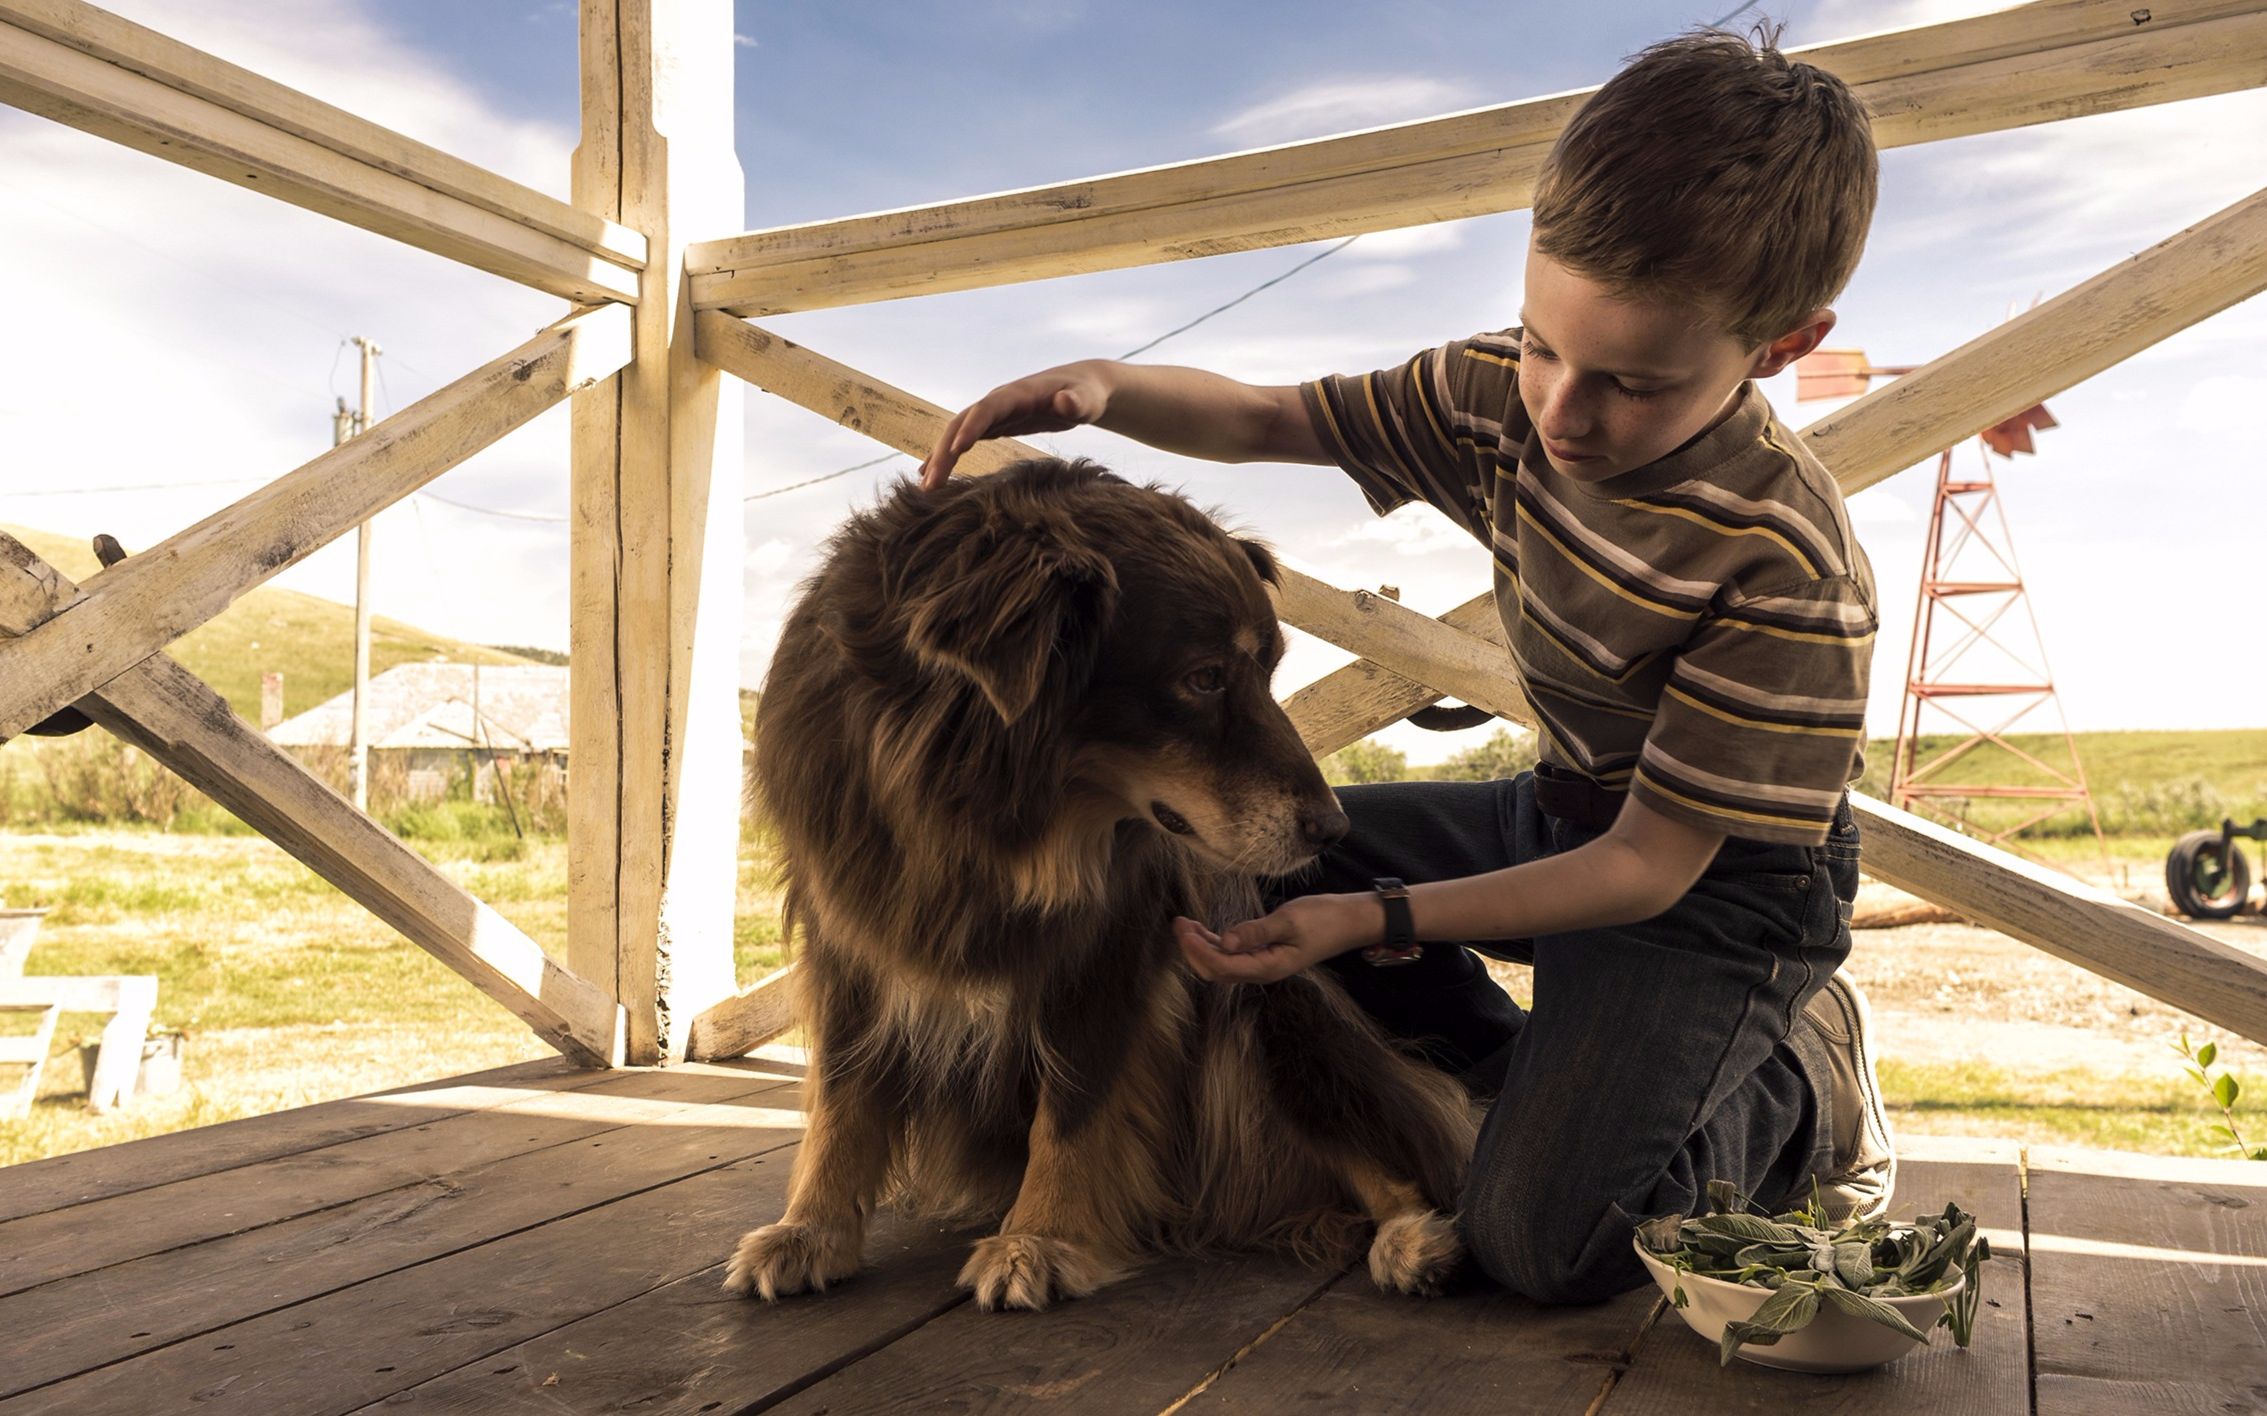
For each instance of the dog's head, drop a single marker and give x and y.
(1123, 643)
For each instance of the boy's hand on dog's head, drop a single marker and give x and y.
(1048, 402)
(1295, 935)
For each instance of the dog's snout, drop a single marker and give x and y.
(1323, 825)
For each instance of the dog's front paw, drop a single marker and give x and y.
(789, 1258)
(1031, 1271)
(1413, 1252)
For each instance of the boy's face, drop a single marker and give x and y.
(1612, 382)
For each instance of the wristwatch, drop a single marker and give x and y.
(1400, 946)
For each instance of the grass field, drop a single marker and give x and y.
(289, 992)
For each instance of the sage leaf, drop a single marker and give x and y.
(1788, 1310)
(1853, 1264)
(1660, 1234)
(1748, 1226)
(1872, 1310)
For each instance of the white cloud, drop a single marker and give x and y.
(1366, 280)
(1407, 241)
(1341, 105)
(1412, 530)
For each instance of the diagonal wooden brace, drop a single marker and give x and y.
(755, 1015)
(172, 715)
(123, 615)
(1473, 669)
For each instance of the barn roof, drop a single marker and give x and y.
(521, 707)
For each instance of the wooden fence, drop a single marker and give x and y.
(656, 319)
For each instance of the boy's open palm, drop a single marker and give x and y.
(1048, 402)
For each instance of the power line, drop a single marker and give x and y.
(826, 477)
(489, 510)
(1323, 255)
(839, 472)
(1219, 309)
(1719, 24)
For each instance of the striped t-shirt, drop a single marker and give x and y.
(1697, 631)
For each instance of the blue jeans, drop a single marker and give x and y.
(1656, 1057)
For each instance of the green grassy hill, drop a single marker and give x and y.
(2143, 782)
(309, 641)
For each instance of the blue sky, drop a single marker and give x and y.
(181, 337)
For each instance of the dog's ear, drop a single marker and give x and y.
(1263, 560)
(1005, 601)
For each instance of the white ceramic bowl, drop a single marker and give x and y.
(1834, 1341)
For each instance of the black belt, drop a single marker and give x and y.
(1569, 796)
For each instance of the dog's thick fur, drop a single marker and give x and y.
(1012, 728)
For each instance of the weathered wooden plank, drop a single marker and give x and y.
(841, 394)
(131, 610)
(1675, 1373)
(94, 71)
(2095, 324)
(2149, 1283)
(172, 715)
(362, 1343)
(1403, 639)
(2069, 919)
(1136, 1347)
(1357, 1350)
(686, 1349)
(72, 1325)
(658, 487)
(745, 1020)
(594, 560)
(38, 1186)
(2031, 64)
(56, 1244)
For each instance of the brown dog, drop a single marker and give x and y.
(1013, 727)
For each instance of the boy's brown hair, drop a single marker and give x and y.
(1715, 172)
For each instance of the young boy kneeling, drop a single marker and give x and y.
(1692, 621)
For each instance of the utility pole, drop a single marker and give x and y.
(358, 741)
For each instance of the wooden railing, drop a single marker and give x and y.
(656, 538)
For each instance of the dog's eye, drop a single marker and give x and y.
(1208, 679)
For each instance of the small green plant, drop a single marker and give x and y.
(1810, 1265)
(2224, 1090)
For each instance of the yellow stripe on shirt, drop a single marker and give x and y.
(1757, 723)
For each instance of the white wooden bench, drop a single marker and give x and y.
(128, 998)
(28, 1051)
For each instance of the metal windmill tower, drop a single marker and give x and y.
(1973, 674)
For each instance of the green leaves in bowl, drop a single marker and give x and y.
(1811, 1264)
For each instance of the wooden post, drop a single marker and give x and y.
(654, 785)
(358, 730)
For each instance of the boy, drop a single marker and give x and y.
(1693, 623)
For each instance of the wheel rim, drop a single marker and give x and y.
(2208, 873)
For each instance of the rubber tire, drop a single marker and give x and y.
(2195, 849)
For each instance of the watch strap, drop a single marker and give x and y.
(1400, 945)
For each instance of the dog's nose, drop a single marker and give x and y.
(1323, 825)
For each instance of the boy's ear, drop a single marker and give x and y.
(1794, 344)
(1006, 603)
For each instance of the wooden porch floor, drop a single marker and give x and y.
(539, 1239)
